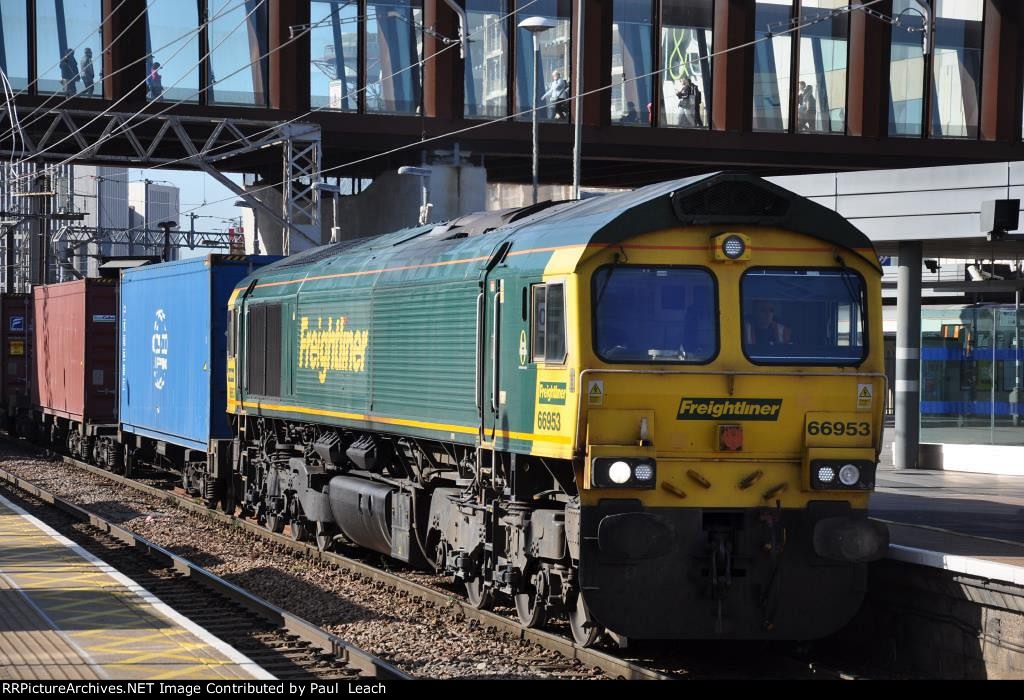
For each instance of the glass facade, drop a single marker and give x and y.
(394, 45)
(238, 65)
(684, 48)
(772, 65)
(486, 58)
(632, 62)
(554, 64)
(334, 54)
(956, 68)
(69, 47)
(172, 47)
(821, 96)
(971, 377)
(13, 42)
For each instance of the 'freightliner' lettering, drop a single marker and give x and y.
(729, 409)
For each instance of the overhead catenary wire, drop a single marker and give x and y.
(482, 124)
(123, 126)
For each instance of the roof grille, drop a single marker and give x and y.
(319, 253)
(732, 199)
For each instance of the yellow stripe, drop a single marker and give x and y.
(442, 427)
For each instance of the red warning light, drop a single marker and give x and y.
(730, 437)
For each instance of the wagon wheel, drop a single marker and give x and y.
(530, 606)
(480, 597)
(324, 534)
(585, 629)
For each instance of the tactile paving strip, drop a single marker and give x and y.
(66, 615)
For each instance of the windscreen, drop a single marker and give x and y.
(654, 314)
(794, 316)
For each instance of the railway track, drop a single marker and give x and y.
(282, 644)
(652, 662)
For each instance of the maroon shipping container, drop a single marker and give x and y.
(15, 322)
(75, 350)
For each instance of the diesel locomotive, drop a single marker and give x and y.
(657, 412)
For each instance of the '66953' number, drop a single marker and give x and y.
(823, 427)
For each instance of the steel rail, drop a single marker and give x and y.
(368, 664)
(592, 658)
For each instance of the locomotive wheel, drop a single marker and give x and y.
(210, 488)
(480, 597)
(275, 522)
(227, 500)
(324, 534)
(585, 629)
(298, 529)
(530, 609)
(530, 603)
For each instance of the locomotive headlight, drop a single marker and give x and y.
(733, 247)
(730, 246)
(826, 474)
(849, 475)
(619, 472)
(643, 472)
(623, 472)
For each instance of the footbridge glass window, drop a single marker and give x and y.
(394, 45)
(632, 62)
(906, 69)
(685, 63)
(654, 314)
(795, 316)
(820, 94)
(14, 43)
(486, 58)
(554, 64)
(334, 54)
(238, 65)
(772, 65)
(956, 68)
(69, 47)
(172, 51)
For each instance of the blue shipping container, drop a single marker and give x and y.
(173, 343)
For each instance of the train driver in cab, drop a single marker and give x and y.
(762, 330)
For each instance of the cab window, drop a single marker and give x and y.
(548, 323)
(803, 316)
(655, 314)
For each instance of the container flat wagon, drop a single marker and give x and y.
(15, 321)
(74, 375)
(173, 347)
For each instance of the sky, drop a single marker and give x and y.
(197, 188)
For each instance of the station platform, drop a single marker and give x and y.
(66, 615)
(970, 523)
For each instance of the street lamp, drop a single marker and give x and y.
(335, 192)
(536, 25)
(424, 175)
(167, 226)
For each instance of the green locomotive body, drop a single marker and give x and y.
(441, 395)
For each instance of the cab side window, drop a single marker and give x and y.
(547, 323)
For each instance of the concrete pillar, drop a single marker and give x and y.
(908, 356)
